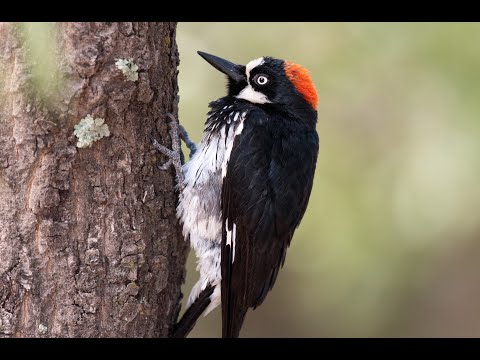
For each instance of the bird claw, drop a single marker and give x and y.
(182, 134)
(175, 156)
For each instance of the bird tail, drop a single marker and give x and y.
(189, 319)
(232, 325)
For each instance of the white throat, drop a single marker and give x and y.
(250, 94)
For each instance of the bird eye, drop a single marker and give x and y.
(261, 79)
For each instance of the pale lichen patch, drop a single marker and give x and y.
(128, 68)
(89, 130)
(42, 329)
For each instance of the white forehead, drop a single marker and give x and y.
(253, 64)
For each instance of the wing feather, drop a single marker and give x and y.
(264, 194)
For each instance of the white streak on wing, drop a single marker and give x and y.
(234, 236)
(230, 139)
(253, 64)
(231, 236)
(250, 94)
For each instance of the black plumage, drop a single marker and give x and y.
(264, 193)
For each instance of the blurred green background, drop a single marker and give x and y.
(390, 243)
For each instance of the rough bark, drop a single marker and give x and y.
(89, 242)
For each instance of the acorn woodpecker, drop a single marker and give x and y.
(245, 189)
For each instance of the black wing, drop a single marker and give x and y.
(264, 196)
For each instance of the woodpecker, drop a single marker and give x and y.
(247, 184)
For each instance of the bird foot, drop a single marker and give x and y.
(175, 155)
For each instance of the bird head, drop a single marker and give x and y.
(267, 80)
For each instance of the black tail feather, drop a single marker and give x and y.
(235, 325)
(189, 319)
(233, 308)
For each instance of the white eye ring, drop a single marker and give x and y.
(261, 80)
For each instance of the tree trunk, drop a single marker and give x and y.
(89, 242)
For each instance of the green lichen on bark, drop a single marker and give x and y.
(89, 130)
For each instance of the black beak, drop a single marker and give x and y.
(233, 71)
